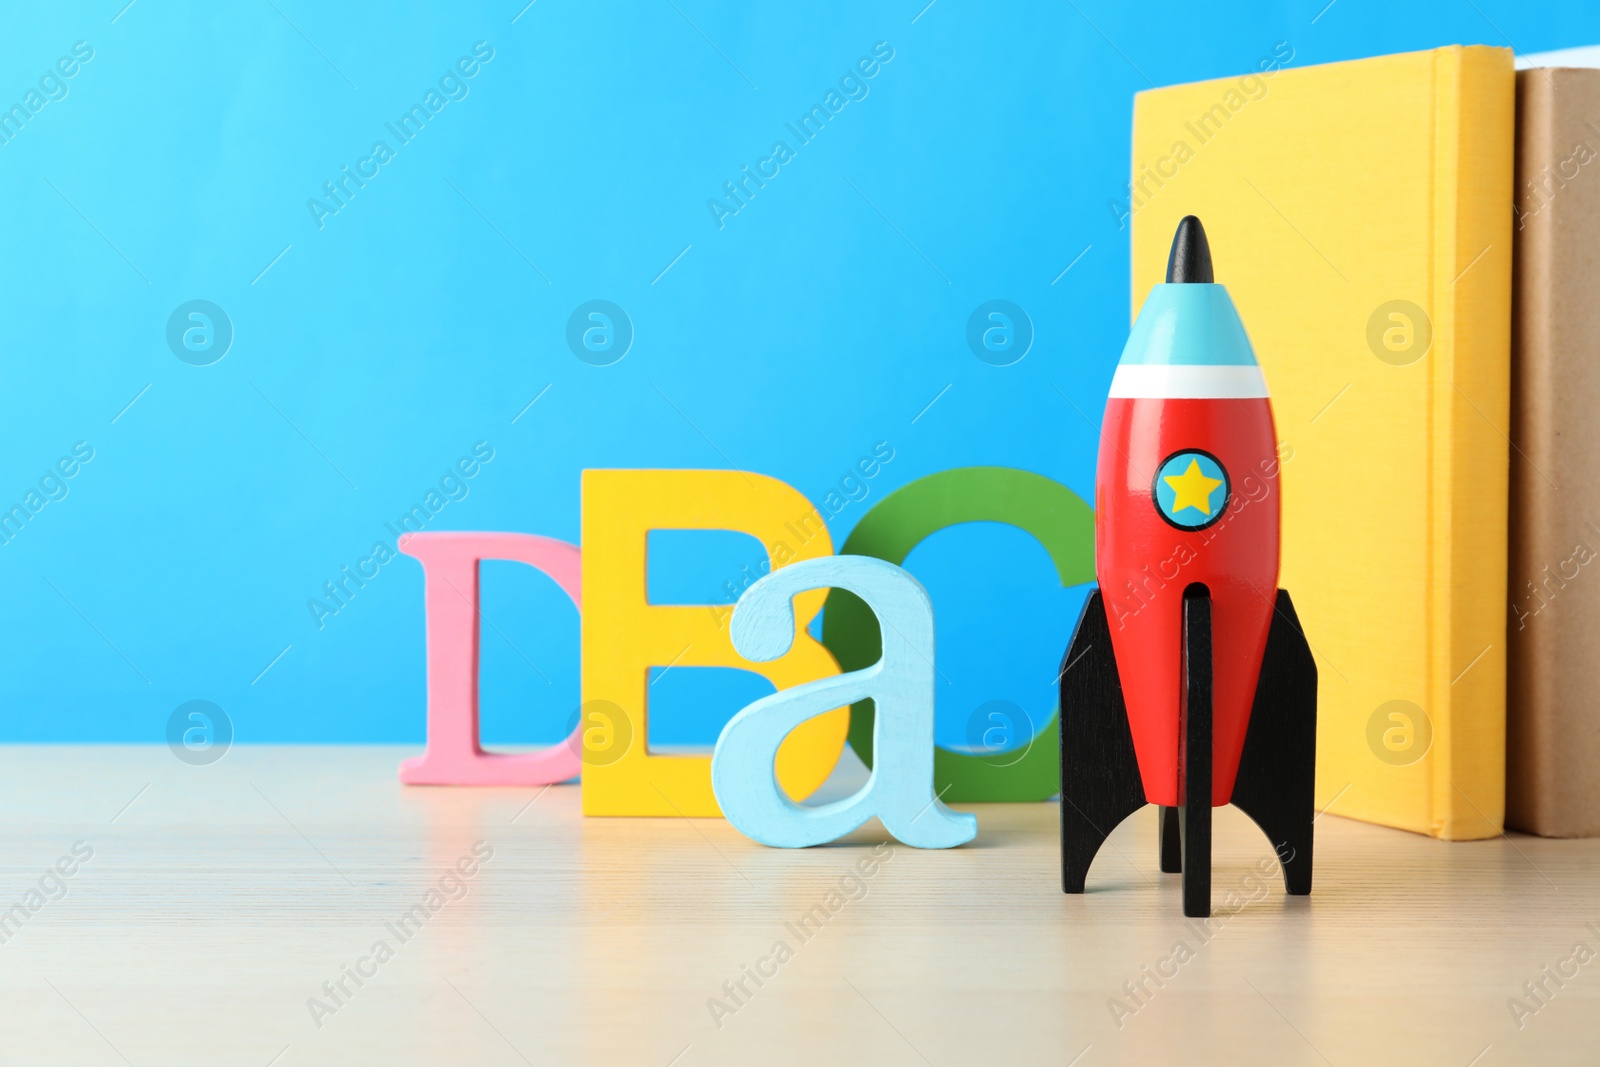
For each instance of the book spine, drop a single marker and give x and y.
(1475, 99)
(1553, 623)
(1531, 650)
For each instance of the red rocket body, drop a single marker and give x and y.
(1187, 492)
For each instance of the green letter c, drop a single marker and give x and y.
(1056, 516)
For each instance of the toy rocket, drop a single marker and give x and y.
(1188, 683)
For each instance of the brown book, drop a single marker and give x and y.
(1553, 628)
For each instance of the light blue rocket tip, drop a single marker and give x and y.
(1189, 324)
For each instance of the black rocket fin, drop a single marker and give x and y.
(1168, 843)
(1100, 784)
(1277, 772)
(1195, 754)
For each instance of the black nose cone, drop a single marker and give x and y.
(1190, 260)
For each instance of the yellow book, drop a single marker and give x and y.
(1359, 214)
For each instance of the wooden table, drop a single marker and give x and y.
(218, 900)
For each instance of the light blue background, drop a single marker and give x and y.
(824, 317)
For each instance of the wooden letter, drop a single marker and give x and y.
(624, 635)
(450, 566)
(1056, 516)
(900, 684)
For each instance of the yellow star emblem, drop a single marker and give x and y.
(1193, 489)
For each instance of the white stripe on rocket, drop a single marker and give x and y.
(1176, 381)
